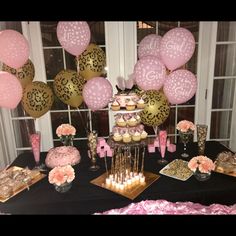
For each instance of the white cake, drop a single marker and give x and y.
(61, 156)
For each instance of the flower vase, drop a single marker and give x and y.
(201, 176)
(67, 140)
(63, 188)
(92, 152)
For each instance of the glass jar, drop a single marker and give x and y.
(67, 140)
(201, 176)
(63, 188)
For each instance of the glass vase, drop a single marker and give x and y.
(92, 152)
(201, 138)
(185, 138)
(63, 188)
(201, 176)
(67, 140)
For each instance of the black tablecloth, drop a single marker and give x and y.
(86, 198)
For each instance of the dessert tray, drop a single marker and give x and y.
(177, 169)
(16, 179)
(226, 163)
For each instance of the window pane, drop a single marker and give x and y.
(97, 29)
(14, 25)
(169, 124)
(185, 113)
(192, 26)
(80, 123)
(18, 111)
(191, 65)
(165, 26)
(100, 121)
(49, 35)
(226, 31)
(22, 129)
(223, 93)
(53, 62)
(225, 61)
(220, 124)
(145, 28)
(70, 61)
(58, 118)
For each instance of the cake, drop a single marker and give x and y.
(140, 104)
(117, 137)
(144, 134)
(61, 156)
(115, 106)
(130, 105)
(126, 138)
(132, 122)
(136, 137)
(121, 122)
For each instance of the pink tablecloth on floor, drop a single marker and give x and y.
(163, 207)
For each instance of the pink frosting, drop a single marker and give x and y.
(163, 207)
(61, 156)
(123, 99)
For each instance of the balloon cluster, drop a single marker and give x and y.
(159, 66)
(73, 87)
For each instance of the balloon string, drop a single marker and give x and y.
(83, 122)
(155, 128)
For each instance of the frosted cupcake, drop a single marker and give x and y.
(126, 138)
(115, 106)
(138, 118)
(130, 106)
(121, 122)
(144, 134)
(132, 121)
(140, 103)
(136, 137)
(117, 137)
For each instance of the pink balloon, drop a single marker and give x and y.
(97, 93)
(149, 46)
(177, 47)
(74, 36)
(149, 73)
(14, 48)
(180, 86)
(11, 90)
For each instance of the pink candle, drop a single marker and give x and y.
(162, 140)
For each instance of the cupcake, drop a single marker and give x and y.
(138, 118)
(140, 103)
(132, 122)
(121, 122)
(115, 106)
(130, 105)
(144, 134)
(117, 137)
(136, 137)
(126, 138)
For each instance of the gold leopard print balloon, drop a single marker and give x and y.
(37, 99)
(68, 87)
(156, 109)
(91, 62)
(25, 74)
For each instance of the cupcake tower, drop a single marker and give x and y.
(126, 169)
(127, 127)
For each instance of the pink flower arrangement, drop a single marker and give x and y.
(61, 174)
(65, 130)
(202, 163)
(185, 126)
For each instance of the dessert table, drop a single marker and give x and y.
(86, 198)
